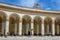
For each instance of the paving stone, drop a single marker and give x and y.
(30, 38)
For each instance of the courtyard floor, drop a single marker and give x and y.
(30, 38)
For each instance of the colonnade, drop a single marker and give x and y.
(26, 25)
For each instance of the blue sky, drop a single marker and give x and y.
(44, 4)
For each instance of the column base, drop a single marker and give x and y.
(57, 34)
(37, 34)
(2, 35)
(12, 34)
(26, 34)
(48, 34)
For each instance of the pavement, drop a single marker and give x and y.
(30, 38)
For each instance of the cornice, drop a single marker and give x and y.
(7, 6)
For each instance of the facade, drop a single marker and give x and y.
(16, 20)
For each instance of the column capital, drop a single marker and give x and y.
(32, 20)
(7, 18)
(53, 20)
(20, 20)
(42, 20)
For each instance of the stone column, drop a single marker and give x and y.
(58, 29)
(15, 28)
(20, 27)
(42, 32)
(32, 27)
(48, 29)
(37, 29)
(3, 28)
(53, 26)
(27, 29)
(7, 26)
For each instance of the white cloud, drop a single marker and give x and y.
(48, 8)
(28, 3)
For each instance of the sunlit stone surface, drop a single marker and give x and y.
(30, 38)
(25, 23)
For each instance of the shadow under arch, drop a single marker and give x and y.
(37, 25)
(57, 26)
(48, 26)
(2, 22)
(14, 24)
(26, 25)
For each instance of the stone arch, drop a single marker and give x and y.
(37, 25)
(57, 26)
(48, 26)
(14, 24)
(2, 21)
(26, 25)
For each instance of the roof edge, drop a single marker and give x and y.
(7, 6)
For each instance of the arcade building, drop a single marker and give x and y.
(16, 20)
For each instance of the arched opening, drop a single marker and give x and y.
(48, 26)
(37, 25)
(2, 22)
(13, 24)
(57, 26)
(26, 25)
